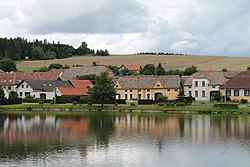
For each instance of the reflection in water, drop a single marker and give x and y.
(123, 140)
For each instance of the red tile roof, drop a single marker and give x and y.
(81, 83)
(240, 81)
(73, 91)
(14, 78)
(131, 67)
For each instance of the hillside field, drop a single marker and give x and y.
(169, 61)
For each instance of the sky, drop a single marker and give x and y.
(199, 27)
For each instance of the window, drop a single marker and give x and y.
(126, 90)
(189, 87)
(131, 90)
(131, 96)
(203, 83)
(176, 90)
(196, 93)
(190, 93)
(196, 84)
(148, 90)
(236, 92)
(27, 86)
(148, 96)
(26, 93)
(139, 90)
(168, 90)
(246, 92)
(126, 96)
(139, 96)
(158, 85)
(213, 86)
(21, 94)
(117, 86)
(228, 92)
(22, 86)
(9, 88)
(203, 93)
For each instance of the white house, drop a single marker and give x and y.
(40, 89)
(201, 84)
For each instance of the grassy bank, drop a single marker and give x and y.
(195, 108)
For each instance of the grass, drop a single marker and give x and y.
(195, 108)
(171, 62)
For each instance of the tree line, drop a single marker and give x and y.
(20, 48)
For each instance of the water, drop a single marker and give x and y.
(100, 139)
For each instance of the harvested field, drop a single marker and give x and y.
(170, 61)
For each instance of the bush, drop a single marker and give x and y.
(145, 101)
(161, 104)
(74, 102)
(41, 102)
(121, 101)
(11, 101)
(90, 103)
(63, 99)
(227, 106)
(132, 104)
(244, 101)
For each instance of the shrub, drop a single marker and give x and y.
(244, 101)
(227, 106)
(74, 102)
(132, 104)
(63, 99)
(90, 103)
(145, 101)
(41, 102)
(121, 101)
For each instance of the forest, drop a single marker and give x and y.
(20, 48)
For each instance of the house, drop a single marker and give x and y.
(147, 87)
(10, 80)
(135, 68)
(202, 84)
(73, 72)
(40, 89)
(80, 88)
(238, 87)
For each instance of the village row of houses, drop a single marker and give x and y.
(200, 85)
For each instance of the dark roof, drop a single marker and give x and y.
(240, 81)
(46, 85)
(148, 81)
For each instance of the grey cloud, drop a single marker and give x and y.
(114, 17)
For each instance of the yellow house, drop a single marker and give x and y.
(147, 87)
(238, 87)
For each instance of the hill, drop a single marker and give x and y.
(170, 61)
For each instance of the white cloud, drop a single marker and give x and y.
(181, 46)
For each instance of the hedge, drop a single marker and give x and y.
(11, 101)
(25, 100)
(145, 101)
(120, 101)
(226, 106)
(63, 99)
(87, 99)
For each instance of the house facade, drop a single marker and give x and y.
(238, 87)
(201, 84)
(147, 87)
(40, 89)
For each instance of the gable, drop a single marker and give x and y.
(158, 85)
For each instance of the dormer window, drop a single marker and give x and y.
(117, 86)
(158, 85)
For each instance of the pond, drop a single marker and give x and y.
(102, 139)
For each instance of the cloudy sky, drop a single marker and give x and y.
(201, 27)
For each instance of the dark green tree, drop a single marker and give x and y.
(181, 95)
(103, 90)
(160, 70)
(114, 69)
(190, 70)
(55, 66)
(216, 96)
(125, 72)
(224, 70)
(13, 95)
(37, 53)
(2, 95)
(148, 69)
(7, 65)
(90, 77)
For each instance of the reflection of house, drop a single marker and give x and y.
(202, 83)
(40, 89)
(80, 88)
(10, 80)
(73, 72)
(75, 127)
(238, 87)
(131, 67)
(147, 87)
